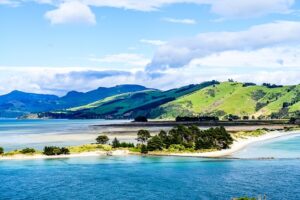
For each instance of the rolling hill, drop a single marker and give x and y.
(236, 99)
(209, 98)
(128, 105)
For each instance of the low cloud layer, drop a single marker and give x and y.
(61, 80)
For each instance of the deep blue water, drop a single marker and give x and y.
(134, 177)
(149, 178)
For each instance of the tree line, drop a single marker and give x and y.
(185, 137)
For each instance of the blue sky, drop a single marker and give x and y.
(161, 43)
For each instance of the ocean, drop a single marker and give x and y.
(150, 177)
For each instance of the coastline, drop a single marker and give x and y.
(75, 155)
(237, 145)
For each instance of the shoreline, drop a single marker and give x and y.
(237, 145)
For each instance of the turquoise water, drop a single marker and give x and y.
(149, 178)
(285, 147)
(136, 177)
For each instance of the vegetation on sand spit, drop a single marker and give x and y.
(185, 138)
(53, 150)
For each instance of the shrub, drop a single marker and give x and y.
(176, 147)
(28, 151)
(102, 139)
(126, 145)
(1, 150)
(144, 149)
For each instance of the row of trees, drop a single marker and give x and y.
(182, 137)
(194, 119)
(103, 139)
(53, 150)
(23, 151)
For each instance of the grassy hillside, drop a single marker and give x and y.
(209, 98)
(129, 104)
(235, 98)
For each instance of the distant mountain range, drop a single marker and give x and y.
(244, 100)
(17, 103)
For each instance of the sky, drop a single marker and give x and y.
(55, 46)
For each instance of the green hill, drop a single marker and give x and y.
(209, 98)
(128, 105)
(237, 99)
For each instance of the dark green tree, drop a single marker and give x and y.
(140, 119)
(53, 150)
(116, 143)
(64, 151)
(165, 138)
(155, 143)
(143, 136)
(144, 149)
(102, 139)
(1, 150)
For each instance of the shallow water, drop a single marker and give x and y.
(16, 134)
(284, 147)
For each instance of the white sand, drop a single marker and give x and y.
(85, 154)
(238, 145)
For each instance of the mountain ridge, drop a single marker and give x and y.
(18, 103)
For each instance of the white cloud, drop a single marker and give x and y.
(71, 12)
(123, 59)
(179, 53)
(61, 80)
(153, 42)
(274, 57)
(223, 8)
(250, 8)
(180, 21)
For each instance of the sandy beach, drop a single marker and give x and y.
(237, 145)
(84, 154)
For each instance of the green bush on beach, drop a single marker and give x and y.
(28, 151)
(89, 148)
(53, 150)
(189, 138)
(1, 150)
